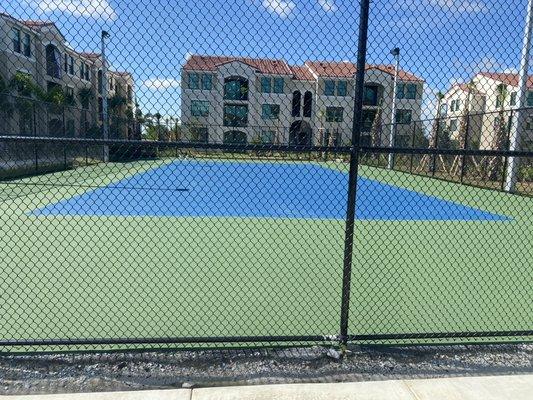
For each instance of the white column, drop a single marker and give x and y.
(392, 135)
(518, 122)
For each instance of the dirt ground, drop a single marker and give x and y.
(152, 370)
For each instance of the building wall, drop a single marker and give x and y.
(317, 122)
(385, 82)
(490, 87)
(475, 117)
(484, 111)
(73, 120)
(12, 62)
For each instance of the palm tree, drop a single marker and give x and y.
(55, 99)
(428, 161)
(85, 96)
(139, 119)
(458, 163)
(376, 129)
(27, 94)
(118, 115)
(170, 124)
(5, 102)
(500, 135)
(158, 119)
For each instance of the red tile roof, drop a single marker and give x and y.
(345, 69)
(302, 73)
(92, 56)
(402, 75)
(37, 24)
(331, 69)
(121, 72)
(508, 79)
(29, 24)
(211, 63)
(34, 25)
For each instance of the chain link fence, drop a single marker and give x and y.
(175, 175)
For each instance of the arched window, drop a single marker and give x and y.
(308, 104)
(236, 88)
(53, 61)
(296, 103)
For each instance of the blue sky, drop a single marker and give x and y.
(441, 40)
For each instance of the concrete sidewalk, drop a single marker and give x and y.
(515, 387)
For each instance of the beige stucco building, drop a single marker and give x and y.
(246, 100)
(37, 52)
(488, 94)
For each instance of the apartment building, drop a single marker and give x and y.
(486, 95)
(249, 100)
(35, 53)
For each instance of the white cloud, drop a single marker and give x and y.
(161, 83)
(460, 6)
(280, 7)
(328, 5)
(467, 69)
(98, 9)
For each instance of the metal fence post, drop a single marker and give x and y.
(36, 154)
(412, 146)
(508, 147)
(465, 146)
(354, 167)
(434, 157)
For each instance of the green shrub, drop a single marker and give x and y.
(526, 173)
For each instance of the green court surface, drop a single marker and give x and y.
(79, 276)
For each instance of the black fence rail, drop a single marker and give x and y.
(478, 169)
(471, 166)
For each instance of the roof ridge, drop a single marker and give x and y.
(343, 68)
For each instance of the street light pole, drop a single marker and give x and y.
(392, 137)
(518, 122)
(105, 121)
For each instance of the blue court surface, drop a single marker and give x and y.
(268, 190)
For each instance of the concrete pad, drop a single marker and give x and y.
(384, 390)
(513, 387)
(178, 394)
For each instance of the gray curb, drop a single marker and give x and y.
(515, 387)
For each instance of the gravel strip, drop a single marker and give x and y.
(39, 374)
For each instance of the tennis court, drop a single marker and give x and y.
(257, 190)
(189, 247)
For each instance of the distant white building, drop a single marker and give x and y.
(245, 100)
(485, 104)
